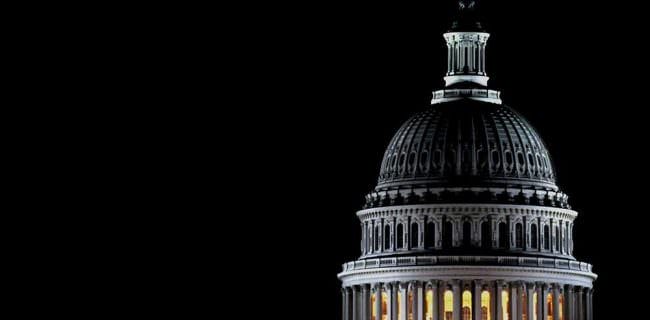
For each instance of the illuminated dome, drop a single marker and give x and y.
(467, 143)
(466, 221)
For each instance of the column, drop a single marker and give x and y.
(381, 235)
(390, 304)
(355, 304)
(377, 305)
(497, 300)
(513, 301)
(366, 303)
(568, 303)
(530, 303)
(556, 301)
(345, 312)
(418, 301)
(542, 301)
(403, 310)
(455, 287)
(493, 302)
(435, 307)
(590, 306)
(540, 304)
(580, 307)
(441, 300)
(476, 301)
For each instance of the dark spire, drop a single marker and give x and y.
(467, 17)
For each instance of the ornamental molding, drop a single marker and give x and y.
(421, 210)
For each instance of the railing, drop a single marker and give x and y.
(467, 260)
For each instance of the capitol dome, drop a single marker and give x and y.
(466, 221)
(467, 143)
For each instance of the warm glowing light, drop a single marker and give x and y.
(485, 305)
(505, 299)
(428, 306)
(467, 305)
(384, 306)
(373, 298)
(549, 306)
(449, 301)
(535, 305)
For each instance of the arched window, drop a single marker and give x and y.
(503, 235)
(448, 305)
(533, 236)
(373, 310)
(428, 305)
(386, 237)
(430, 234)
(547, 238)
(467, 305)
(409, 306)
(400, 236)
(467, 234)
(486, 234)
(549, 307)
(485, 305)
(557, 239)
(447, 235)
(505, 304)
(415, 234)
(377, 238)
(519, 235)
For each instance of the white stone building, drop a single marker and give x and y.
(466, 221)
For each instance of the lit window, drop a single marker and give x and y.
(467, 305)
(428, 306)
(485, 305)
(449, 305)
(505, 303)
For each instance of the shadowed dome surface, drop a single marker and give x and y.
(467, 143)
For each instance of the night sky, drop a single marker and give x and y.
(343, 78)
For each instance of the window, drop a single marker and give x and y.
(557, 239)
(430, 234)
(449, 305)
(547, 240)
(467, 234)
(447, 236)
(384, 305)
(415, 234)
(533, 236)
(467, 305)
(400, 236)
(485, 305)
(524, 306)
(503, 235)
(486, 235)
(377, 238)
(386, 237)
(549, 307)
(519, 236)
(505, 304)
(428, 305)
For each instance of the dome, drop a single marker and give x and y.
(467, 143)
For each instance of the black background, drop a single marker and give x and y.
(333, 82)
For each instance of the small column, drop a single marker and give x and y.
(390, 304)
(418, 301)
(513, 301)
(530, 303)
(435, 307)
(539, 289)
(476, 301)
(344, 304)
(355, 304)
(497, 299)
(568, 302)
(580, 308)
(542, 301)
(403, 310)
(377, 305)
(590, 306)
(441, 300)
(556, 301)
(455, 287)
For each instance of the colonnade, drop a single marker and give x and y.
(466, 300)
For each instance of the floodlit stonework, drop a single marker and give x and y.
(466, 221)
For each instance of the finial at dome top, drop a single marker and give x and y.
(466, 4)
